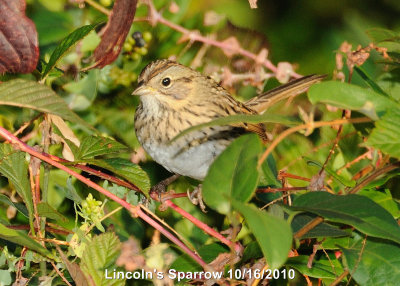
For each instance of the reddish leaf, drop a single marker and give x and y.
(19, 51)
(115, 32)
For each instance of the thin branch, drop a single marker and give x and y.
(98, 7)
(154, 17)
(103, 218)
(309, 226)
(289, 131)
(134, 210)
(349, 164)
(283, 174)
(60, 274)
(340, 278)
(237, 247)
(274, 201)
(48, 229)
(275, 190)
(373, 176)
(26, 124)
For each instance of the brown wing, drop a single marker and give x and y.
(263, 101)
(234, 107)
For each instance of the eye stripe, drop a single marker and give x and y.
(163, 65)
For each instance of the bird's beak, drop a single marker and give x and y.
(143, 90)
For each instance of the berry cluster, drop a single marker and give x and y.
(136, 46)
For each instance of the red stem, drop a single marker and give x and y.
(135, 210)
(237, 247)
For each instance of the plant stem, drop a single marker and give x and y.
(134, 210)
(289, 131)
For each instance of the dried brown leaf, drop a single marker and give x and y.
(212, 18)
(317, 182)
(115, 32)
(284, 72)
(131, 257)
(253, 4)
(74, 270)
(173, 8)
(19, 48)
(231, 46)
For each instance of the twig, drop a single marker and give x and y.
(359, 259)
(35, 211)
(274, 201)
(98, 7)
(289, 131)
(349, 164)
(373, 176)
(309, 226)
(155, 17)
(52, 240)
(26, 124)
(340, 278)
(134, 210)
(332, 150)
(275, 190)
(283, 174)
(103, 218)
(60, 274)
(237, 247)
(315, 149)
(258, 280)
(48, 229)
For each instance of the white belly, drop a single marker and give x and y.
(193, 162)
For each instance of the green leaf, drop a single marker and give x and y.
(5, 277)
(274, 235)
(208, 253)
(321, 230)
(18, 206)
(70, 192)
(319, 269)
(270, 173)
(384, 199)
(45, 210)
(125, 169)
(65, 44)
(234, 119)
(354, 210)
(233, 175)
(82, 93)
(348, 96)
(379, 263)
(100, 254)
(252, 251)
(14, 166)
(386, 135)
(32, 95)
(369, 81)
(92, 146)
(19, 237)
(379, 35)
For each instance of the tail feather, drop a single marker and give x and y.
(263, 101)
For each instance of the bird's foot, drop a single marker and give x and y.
(196, 197)
(157, 190)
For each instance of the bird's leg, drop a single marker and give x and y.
(196, 197)
(161, 187)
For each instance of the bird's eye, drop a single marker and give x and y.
(166, 81)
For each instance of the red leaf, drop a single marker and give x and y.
(19, 51)
(115, 32)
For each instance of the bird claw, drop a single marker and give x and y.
(161, 187)
(158, 190)
(196, 197)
